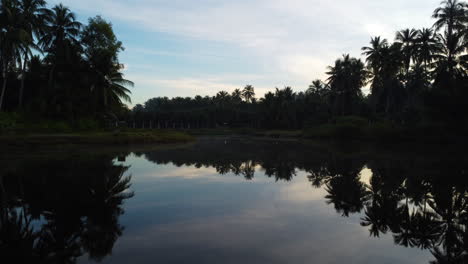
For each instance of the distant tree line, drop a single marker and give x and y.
(419, 78)
(55, 67)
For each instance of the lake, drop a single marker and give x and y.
(235, 200)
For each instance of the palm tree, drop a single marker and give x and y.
(114, 89)
(222, 98)
(61, 27)
(237, 95)
(33, 15)
(450, 61)
(248, 93)
(427, 47)
(385, 61)
(61, 32)
(347, 77)
(451, 17)
(317, 87)
(407, 39)
(373, 53)
(12, 36)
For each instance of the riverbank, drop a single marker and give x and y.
(353, 131)
(97, 138)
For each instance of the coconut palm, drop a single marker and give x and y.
(450, 61)
(33, 15)
(61, 27)
(373, 53)
(347, 77)
(114, 89)
(12, 37)
(248, 93)
(317, 87)
(452, 17)
(61, 32)
(237, 95)
(407, 39)
(427, 47)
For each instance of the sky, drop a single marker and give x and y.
(199, 47)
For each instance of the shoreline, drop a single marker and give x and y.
(152, 138)
(96, 138)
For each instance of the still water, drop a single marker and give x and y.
(234, 201)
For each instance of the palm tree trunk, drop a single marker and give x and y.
(3, 88)
(21, 91)
(20, 99)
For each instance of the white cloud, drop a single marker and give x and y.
(203, 85)
(293, 39)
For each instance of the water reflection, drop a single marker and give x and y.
(54, 211)
(422, 200)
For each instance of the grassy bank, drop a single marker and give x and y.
(96, 138)
(17, 129)
(246, 132)
(353, 128)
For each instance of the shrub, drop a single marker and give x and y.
(352, 121)
(87, 124)
(57, 126)
(9, 121)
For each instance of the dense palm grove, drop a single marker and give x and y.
(56, 67)
(420, 78)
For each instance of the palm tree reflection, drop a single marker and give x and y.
(55, 212)
(421, 201)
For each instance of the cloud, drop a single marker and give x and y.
(191, 86)
(294, 40)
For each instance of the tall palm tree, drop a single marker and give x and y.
(248, 93)
(451, 17)
(12, 36)
(33, 15)
(60, 34)
(427, 47)
(61, 27)
(373, 53)
(407, 39)
(347, 77)
(237, 95)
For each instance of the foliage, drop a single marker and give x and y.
(74, 71)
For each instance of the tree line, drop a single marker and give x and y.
(56, 67)
(420, 77)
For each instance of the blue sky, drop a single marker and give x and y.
(190, 47)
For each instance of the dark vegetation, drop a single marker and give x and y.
(56, 73)
(60, 76)
(418, 88)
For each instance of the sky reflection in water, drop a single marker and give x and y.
(287, 203)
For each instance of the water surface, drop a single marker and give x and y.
(234, 201)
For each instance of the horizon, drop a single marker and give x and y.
(181, 49)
